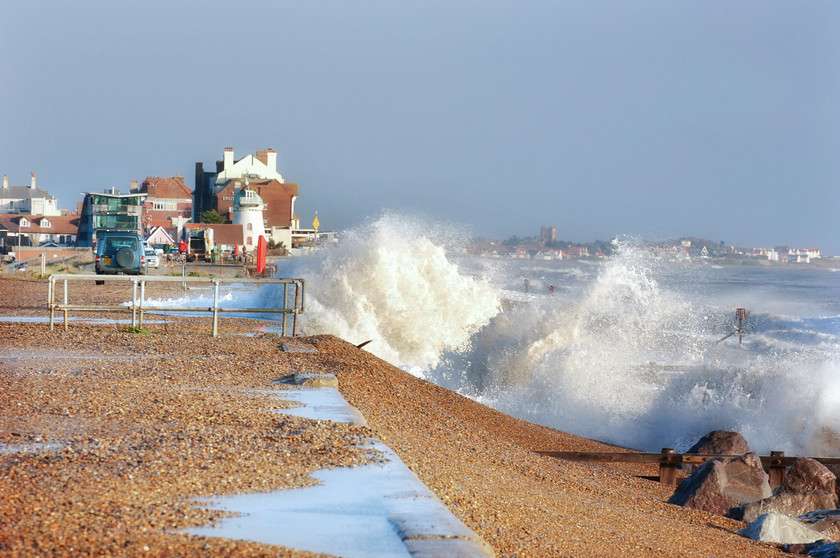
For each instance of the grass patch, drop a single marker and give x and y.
(133, 329)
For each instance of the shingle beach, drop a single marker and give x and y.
(108, 439)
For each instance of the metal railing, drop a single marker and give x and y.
(137, 305)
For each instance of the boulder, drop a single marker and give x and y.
(825, 550)
(717, 442)
(724, 483)
(808, 486)
(721, 442)
(786, 503)
(806, 475)
(836, 470)
(819, 549)
(826, 522)
(779, 528)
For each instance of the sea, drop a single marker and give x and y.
(631, 350)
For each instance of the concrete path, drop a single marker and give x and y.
(376, 510)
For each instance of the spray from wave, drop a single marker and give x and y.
(625, 351)
(394, 281)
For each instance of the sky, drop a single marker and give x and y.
(652, 119)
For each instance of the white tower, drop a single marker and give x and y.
(248, 211)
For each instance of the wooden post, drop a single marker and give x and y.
(777, 469)
(667, 468)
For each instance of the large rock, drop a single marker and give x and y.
(721, 442)
(724, 483)
(806, 475)
(826, 522)
(808, 486)
(779, 528)
(786, 503)
(836, 470)
(825, 550)
(717, 442)
(820, 549)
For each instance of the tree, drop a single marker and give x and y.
(213, 217)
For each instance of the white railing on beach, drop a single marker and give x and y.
(287, 305)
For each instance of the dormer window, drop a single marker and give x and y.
(24, 222)
(45, 223)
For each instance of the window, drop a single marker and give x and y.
(250, 227)
(45, 223)
(24, 222)
(164, 205)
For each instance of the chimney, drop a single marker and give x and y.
(132, 187)
(228, 157)
(32, 184)
(5, 181)
(271, 159)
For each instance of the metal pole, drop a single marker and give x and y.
(297, 306)
(65, 304)
(50, 301)
(134, 303)
(285, 305)
(142, 298)
(216, 309)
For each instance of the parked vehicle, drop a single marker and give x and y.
(119, 252)
(201, 244)
(152, 259)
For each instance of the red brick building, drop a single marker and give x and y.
(277, 196)
(168, 204)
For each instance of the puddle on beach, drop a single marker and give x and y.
(34, 447)
(350, 514)
(354, 512)
(46, 319)
(320, 404)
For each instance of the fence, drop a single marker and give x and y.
(669, 462)
(137, 307)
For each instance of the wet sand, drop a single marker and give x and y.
(109, 437)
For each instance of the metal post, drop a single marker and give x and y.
(66, 317)
(142, 298)
(43, 263)
(51, 301)
(297, 306)
(134, 303)
(285, 305)
(776, 470)
(741, 316)
(667, 468)
(215, 309)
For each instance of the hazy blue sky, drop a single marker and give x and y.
(658, 119)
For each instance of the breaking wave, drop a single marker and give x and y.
(628, 350)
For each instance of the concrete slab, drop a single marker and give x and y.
(375, 510)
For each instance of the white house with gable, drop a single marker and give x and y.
(26, 199)
(262, 166)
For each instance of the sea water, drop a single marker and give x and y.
(631, 350)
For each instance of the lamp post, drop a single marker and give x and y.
(20, 226)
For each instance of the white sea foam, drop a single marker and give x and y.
(394, 281)
(624, 351)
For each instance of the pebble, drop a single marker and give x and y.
(139, 428)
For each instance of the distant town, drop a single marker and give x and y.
(548, 247)
(238, 201)
(235, 202)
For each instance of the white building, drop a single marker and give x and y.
(248, 210)
(263, 166)
(28, 200)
